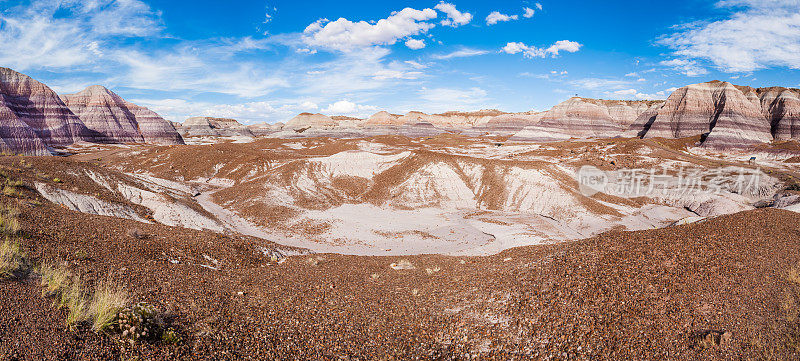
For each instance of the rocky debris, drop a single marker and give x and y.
(620, 295)
(214, 127)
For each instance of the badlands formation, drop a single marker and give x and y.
(599, 229)
(35, 118)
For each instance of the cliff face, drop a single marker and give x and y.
(154, 128)
(105, 113)
(727, 116)
(582, 117)
(781, 107)
(115, 120)
(34, 117)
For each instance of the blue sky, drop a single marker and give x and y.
(269, 60)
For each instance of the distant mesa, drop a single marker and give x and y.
(214, 127)
(36, 119)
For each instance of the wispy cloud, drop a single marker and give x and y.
(461, 53)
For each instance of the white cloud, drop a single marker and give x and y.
(634, 94)
(415, 65)
(346, 107)
(528, 13)
(495, 17)
(758, 34)
(455, 18)
(345, 35)
(539, 6)
(461, 53)
(600, 84)
(396, 74)
(415, 44)
(534, 52)
(686, 67)
(632, 75)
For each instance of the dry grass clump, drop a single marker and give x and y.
(70, 293)
(433, 270)
(12, 260)
(54, 279)
(107, 302)
(793, 275)
(11, 188)
(9, 223)
(74, 299)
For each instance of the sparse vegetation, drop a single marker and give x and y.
(171, 337)
(57, 180)
(141, 322)
(9, 191)
(54, 279)
(135, 233)
(73, 298)
(433, 270)
(403, 264)
(12, 260)
(107, 302)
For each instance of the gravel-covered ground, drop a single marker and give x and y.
(621, 295)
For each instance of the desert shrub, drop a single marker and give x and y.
(135, 233)
(107, 302)
(141, 322)
(170, 337)
(56, 180)
(12, 260)
(10, 191)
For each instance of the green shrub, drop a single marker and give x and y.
(141, 322)
(171, 337)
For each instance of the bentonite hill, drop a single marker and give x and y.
(385, 181)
